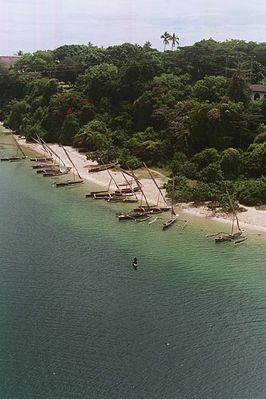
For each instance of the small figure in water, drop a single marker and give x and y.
(135, 262)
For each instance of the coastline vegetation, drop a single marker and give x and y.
(187, 110)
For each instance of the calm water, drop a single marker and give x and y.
(76, 321)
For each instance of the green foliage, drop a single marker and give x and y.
(230, 163)
(251, 192)
(93, 136)
(70, 128)
(189, 110)
(128, 161)
(238, 90)
(206, 157)
(99, 81)
(255, 160)
(261, 137)
(18, 109)
(211, 88)
(211, 173)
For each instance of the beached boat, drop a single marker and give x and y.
(170, 222)
(228, 237)
(52, 173)
(74, 181)
(17, 157)
(132, 215)
(232, 236)
(13, 158)
(101, 196)
(99, 168)
(152, 209)
(41, 159)
(42, 166)
(128, 190)
(174, 216)
(68, 183)
(92, 193)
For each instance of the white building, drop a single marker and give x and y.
(258, 92)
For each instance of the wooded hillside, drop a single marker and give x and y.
(188, 109)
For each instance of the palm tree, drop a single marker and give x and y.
(174, 39)
(166, 37)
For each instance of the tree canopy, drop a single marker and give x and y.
(186, 108)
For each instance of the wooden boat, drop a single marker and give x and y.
(41, 159)
(47, 169)
(53, 173)
(121, 198)
(128, 183)
(130, 200)
(144, 219)
(92, 193)
(74, 181)
(101, 196)
(68, 183)
(174, 216)
(16, 159)
(99, 168)
(163, 208)
(47, 153)
(128, 190)
(150, 209)
(4, 159)
(13, 158)
(232, 236)
(170, 222)
(228, 237)
(132, 215)
(242, 239)
(42, 166)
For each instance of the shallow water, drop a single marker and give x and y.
(77, 321)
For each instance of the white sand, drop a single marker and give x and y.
(251, 219)
(100, 178)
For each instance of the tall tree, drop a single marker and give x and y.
(175, 40)
(166, 39)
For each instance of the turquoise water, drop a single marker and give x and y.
(77, 321)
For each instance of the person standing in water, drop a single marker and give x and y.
(135, 262)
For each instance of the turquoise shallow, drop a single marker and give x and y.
(77, 321)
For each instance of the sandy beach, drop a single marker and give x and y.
(251, 219)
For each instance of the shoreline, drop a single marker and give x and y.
(248, 220)
(252, 219)
(103, 178)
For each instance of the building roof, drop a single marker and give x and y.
(258, 88)
(8, 60)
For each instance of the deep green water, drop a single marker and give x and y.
(76, 321)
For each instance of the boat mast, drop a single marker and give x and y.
(140, 188)
(155, 182)
(45, 149)
(113, 179)
(172, 200)
(17, 144)
(126, 179)
(234, 213)
(72, 163)
(55, 154)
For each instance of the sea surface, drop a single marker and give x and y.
(77, 321)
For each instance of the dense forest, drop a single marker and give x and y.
(186, 109)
